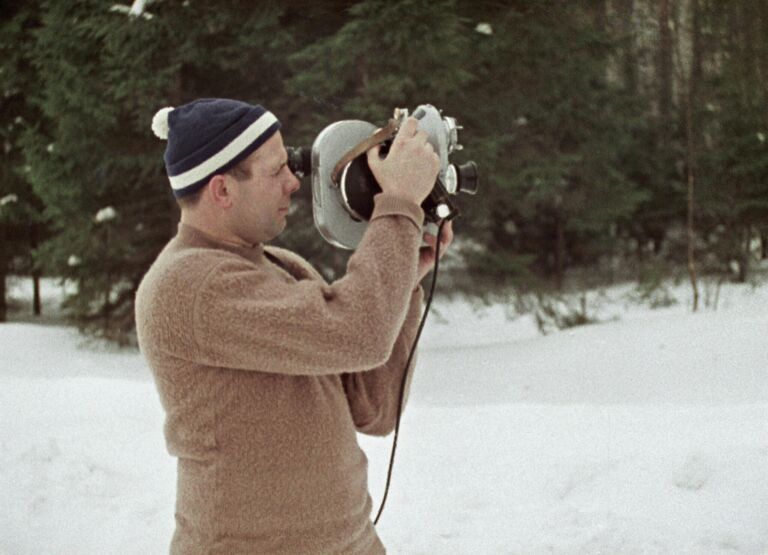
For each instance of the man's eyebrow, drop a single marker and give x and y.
(283, 162)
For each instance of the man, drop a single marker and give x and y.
(264, 370)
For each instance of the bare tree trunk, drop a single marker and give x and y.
(690, 225)
(693, 86)
(3, 274)
(3, 304)
(33, 240)
(559, 249)
(665, 124)
(36, 304)
(763, 244)
(746, 254)
(689, 84)
(664, 64)
(762, 73)
(629, 69)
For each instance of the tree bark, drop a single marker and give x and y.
(664, 66)
(690, 100)
(763, 244)
(690, 224)
(745, 254)
(33, 241)
(3, 304)
(689, 85)
(629, 69)
(36, 304)
(559, 249)
(3, 274)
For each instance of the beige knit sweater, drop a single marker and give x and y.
(265, 371)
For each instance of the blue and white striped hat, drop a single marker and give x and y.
(209, 136)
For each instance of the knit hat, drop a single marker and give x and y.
(209, 136)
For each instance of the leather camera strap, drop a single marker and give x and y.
(383, 134)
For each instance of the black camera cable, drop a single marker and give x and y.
(406, 372)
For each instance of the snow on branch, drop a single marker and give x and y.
(8, 199)
(105, 215)
(484, 28)
(137, 9)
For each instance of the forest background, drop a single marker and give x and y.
(617, 140)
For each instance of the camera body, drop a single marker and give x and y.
(342, 200)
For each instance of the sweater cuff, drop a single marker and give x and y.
(389, 205)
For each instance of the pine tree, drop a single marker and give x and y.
(569, 109)
(735, 177)
(96, 165)
(20, 218)
(557, 137)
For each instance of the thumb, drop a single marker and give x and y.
(373, 156)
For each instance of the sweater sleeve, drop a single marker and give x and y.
(373, 396)
(245, 319)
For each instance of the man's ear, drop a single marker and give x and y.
(220, 191)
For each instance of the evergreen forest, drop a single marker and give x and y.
(617, 140)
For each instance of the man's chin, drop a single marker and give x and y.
(277, 230)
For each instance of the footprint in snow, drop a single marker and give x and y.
(694, 474)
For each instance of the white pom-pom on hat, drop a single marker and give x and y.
(160, 122)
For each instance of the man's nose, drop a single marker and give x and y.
(293, 184)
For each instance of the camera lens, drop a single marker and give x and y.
(299, 160)
(358, 187)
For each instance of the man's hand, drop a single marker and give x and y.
(410, 169)
(427, 254)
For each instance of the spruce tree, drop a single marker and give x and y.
(734, 189)
(104, 71)
(557, 137)
(20, 218)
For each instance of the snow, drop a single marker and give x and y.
(646, 433)
(8, 199)
(136, 9)
(484, 28)
(105, 214)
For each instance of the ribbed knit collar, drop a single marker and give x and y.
(194, 237)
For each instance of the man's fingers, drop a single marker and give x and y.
(407, 130)
(421, 137)
(373, 155)
(446, 237)
(447, 233)
(409, 127)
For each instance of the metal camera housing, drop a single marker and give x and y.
(336, 217)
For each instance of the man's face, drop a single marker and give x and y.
(261, 202)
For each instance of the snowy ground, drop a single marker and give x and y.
(645, 434)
